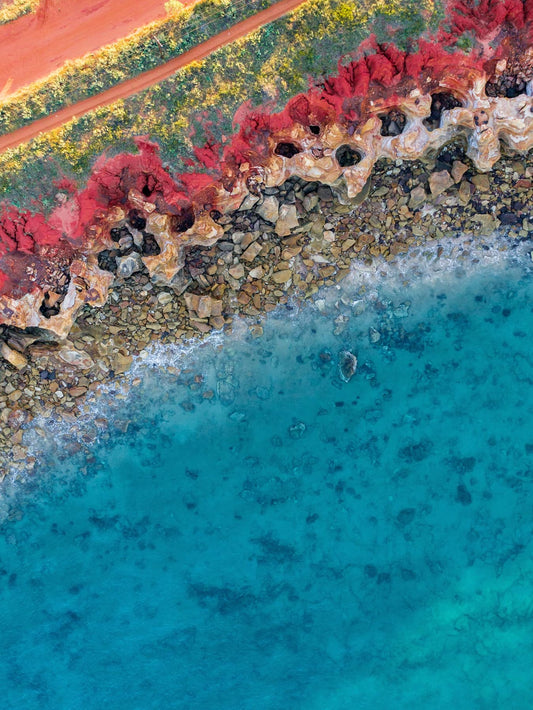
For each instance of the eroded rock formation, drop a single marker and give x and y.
(387, 104)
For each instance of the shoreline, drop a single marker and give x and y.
(228, 279)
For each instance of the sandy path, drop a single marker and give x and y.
(143, 81)
(35, 45)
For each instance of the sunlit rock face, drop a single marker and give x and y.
(387, 104)
(88, 286)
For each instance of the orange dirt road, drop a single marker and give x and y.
(37, 44)
(147, 79)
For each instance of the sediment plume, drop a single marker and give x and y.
(388, 103)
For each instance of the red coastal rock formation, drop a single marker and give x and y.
(387, 103)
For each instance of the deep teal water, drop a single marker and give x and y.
(295, 542)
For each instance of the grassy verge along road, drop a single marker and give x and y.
(146, 79)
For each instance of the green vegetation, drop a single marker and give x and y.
(145, 49)
(271, 65)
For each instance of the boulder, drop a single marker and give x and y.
(458, 170)
(202, 306)
(121, 362)
(439, 182)
(236, 271)
(74, 357)
(281, 277)
(417, 197)
(129, 264)
(252, 251)
(269, 209)
(347, 365)
(287, 220)
(13, 357)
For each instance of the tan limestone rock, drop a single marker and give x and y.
(269, 209)
(287, 220)
(236, 271)
(281, 277)
(13, 357)
(417, 197)
(165, 266)
(458, 170)
(252, 251)
(439, 182)
(88, 285)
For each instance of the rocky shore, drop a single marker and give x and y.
(279, 247)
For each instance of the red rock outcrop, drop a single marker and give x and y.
(386, 104)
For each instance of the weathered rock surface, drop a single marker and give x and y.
(347, 365)
(287, 220)
(128, 265)
(88, 285)
(13, 357)
(332, 137)
(269, 209)
(74, 357)
(439, 182)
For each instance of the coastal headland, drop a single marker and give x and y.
(399, 147)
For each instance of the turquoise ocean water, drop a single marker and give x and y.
(252, 532)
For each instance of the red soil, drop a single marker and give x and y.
(148, 78)
(485, 20)
(382, 71)
(112, 179)
(35, 45)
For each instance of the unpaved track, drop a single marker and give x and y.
(35, 45)
(145, 80)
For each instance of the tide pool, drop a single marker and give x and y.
(252, 532)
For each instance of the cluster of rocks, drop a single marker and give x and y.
(281, 245)
(132, 242)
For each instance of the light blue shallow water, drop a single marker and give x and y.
(295, 542)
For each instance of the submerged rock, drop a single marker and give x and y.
(402, 310)
(297, 430)
(347, 365)
(226, 392)
(374, 335)
(463, 495)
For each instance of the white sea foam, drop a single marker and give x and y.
(456, 257)
(107, 403)
(406, 276)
